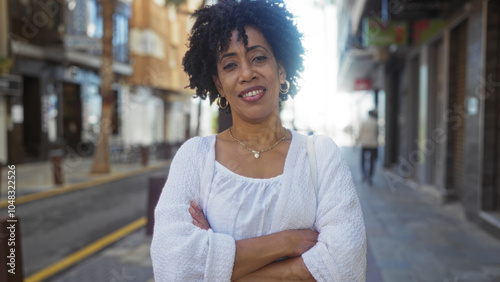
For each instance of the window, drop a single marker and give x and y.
(120, 38)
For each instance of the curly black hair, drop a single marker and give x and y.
(211, 34)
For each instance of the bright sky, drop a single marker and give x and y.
(317, 106)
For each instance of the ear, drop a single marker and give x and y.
(218, 85)
(281, 73)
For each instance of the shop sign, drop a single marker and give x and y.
(362, 84)
(379, 33)
(17, 113)
(424, 30)
(10, 84)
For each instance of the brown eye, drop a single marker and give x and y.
(260, 59)
(229, 66)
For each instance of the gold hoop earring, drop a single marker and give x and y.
(219, 103)
(285, 90)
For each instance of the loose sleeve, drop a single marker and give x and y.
(340, 254)
(180, 251)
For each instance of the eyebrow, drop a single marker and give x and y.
(248, 49)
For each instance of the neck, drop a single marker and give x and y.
(259, 134)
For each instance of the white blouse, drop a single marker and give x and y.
(240, 206)
(180, 251)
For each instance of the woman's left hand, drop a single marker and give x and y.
(199, 218)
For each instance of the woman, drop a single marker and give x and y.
(242, 205)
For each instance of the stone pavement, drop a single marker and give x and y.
(413, 238)
(410, 238)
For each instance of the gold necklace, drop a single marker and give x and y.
(257, 153)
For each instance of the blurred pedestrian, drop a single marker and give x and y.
(245, 204)
(367, 138)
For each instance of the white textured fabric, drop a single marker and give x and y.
(182, 252)
(240, 206)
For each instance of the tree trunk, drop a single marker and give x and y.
(101, 162)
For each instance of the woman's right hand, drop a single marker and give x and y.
(302, 240)
(199, 219)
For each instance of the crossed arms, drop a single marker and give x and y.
(256, 258)
(183, 251)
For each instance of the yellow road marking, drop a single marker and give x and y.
(87, 251)
(77, 186)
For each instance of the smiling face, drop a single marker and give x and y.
(249, 77)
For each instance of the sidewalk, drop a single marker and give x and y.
(124, 260)
(33, 178)
(410, 238)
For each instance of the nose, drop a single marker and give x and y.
(247, 73)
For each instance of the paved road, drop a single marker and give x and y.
(55, 227)
(410, 238)
(127, 260)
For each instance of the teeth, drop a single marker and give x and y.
(252, 93)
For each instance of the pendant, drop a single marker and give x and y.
(256, 154)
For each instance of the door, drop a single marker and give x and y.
(456, 110)
(32, 129)
(72, 115)
(491, 138)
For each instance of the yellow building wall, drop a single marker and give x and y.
(159, 37)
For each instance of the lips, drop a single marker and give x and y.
(253, 94)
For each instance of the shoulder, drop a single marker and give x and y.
(194, 148)
(328, 153)
(325, 144)
(198, 142)
(322, 143)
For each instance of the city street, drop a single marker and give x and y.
(54, 227)
(97, 96)
(410, 238)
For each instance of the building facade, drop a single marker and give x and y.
(55, 47)
(52, 95)
(440, 68)
(157, 51)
